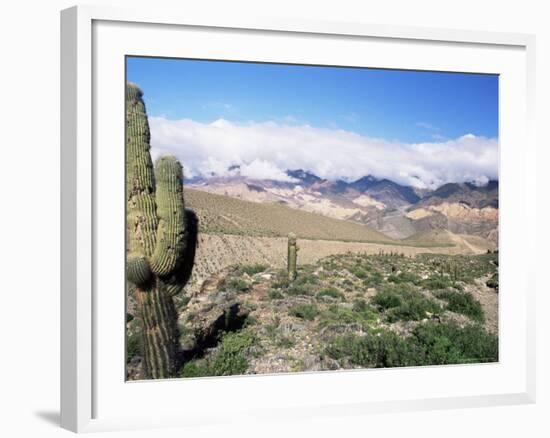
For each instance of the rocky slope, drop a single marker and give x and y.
(395, 210)
(342, 312)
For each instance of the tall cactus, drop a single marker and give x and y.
(292, 255)
(161, 240)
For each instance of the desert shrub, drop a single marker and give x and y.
(230, 358)
(405, 277)
(360, 305)
(329, 265)
(330, 292)
(387, 299)
(450, 343)
(253, 269)
(437, 282)
(299, 289)
(305, 278)
(285, 341)
(403, 303)
(272, 329)
(304, 311)
(237, 284)
(384, 349)
(429, 344)
(195, 369)
(274, 294)
(335, 315)
(414, 308)
(373, 279)
(463, 303)
(359, 272)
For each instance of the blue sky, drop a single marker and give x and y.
(398, 105)
(416, 128)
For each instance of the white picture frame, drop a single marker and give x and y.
(94, 41)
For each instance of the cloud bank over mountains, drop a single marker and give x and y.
(265, 150)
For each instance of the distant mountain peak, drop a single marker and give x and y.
(364, 183)
(304, 175)
(470, 193)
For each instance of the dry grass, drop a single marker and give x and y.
(225, 215)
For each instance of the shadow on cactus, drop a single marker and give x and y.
(161, 240)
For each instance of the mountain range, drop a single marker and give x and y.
(396, 210)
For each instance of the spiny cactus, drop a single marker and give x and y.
(161, 240)
(292, 254)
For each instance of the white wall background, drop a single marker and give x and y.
(29, 218)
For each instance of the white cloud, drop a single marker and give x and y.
(261, 169)
(267, 149)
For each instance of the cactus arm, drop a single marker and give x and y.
(171, 213)
(138, 270)
(140, 181)
(181, 276)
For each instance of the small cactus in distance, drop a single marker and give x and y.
(161, 240)
(292, 256)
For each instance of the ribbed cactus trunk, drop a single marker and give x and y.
(160, 341)
(161, 240)
(292, 255)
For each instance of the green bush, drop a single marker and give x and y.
(359, 272)
(385, 349)
(400, 302)
(360, 305)
(285, 342)
(304, 311)
(463, 303)
(299, 289)
(373, 279)
(237, 284)
(405, 277)
(429, 344)
(335, 315)
(230, 358)
(437, 282)
(473, 343)
(387, 299)
(274, 294)
(305, 278)
(195, 369)
(330, 292)
(414, 308)
(253, 269)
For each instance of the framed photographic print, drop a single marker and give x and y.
(267, 208)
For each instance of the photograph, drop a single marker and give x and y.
(292, 218)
